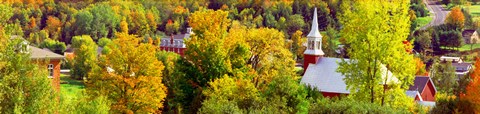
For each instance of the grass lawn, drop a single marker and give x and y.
(71, 89)
(466, 47)
(422, 21)
(475, 10)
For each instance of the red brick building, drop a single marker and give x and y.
(176, 43)
(53, 66)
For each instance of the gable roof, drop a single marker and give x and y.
(325, 78)
(468, 33)
(414, 94)
(37, 53)
(462, 65)
(420, 82)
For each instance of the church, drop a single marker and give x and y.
(320, 72)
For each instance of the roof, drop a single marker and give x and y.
(414, 94)
(314, 30)
(325, 78)
(420, 82)
(462, 65)
(37, 53)
(468, 33)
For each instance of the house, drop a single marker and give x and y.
(176, 43)
(470, 36)
(424, 87)
(53, 65)
(451, 59)
(320, 72)
(461, 69)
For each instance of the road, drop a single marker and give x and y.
(439, 12)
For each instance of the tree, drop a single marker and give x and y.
(456, 17)
(423, 41)
(24, 87)
(473, 88)
(102, 42)
(7, 13)
(375, 41)
(104, 21)
(444, 77)
(132, 76)
(329, 46)
(420, 67)
(297, 47)
(53, 27)
(54, 45)
(294, 23)
(85, 56)
(83, 23)
(124, 25)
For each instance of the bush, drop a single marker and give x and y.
(350, 106)
(54, 45)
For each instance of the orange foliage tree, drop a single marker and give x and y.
(130, 75)
(53, 26)
(455, 17)
(472, 90)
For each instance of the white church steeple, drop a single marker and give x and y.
(314, 39)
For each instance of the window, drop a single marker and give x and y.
(318, 45)
(50, 70)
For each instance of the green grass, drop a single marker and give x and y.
(475, 10)
(422, 21)
(466, 47)
(72, 89)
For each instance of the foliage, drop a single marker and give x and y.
(297, 47)
(423, 41)
(24, 87)
(455, 17)
(133, 78)
(420, 67)
(102, 42)
(54, 45)
(329, 42)
(85, 56)
(349, 106)
(375, 46)
(473, 87)
(444, 77)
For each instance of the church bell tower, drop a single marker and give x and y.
(314, 44)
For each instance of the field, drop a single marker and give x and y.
(467, 47)
(475, 10)
(71, 88)
(422, 21)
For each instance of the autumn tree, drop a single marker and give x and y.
(377, 54)
(53, 27)
(132, 78)
(85, 56)
(297, 47)
(455, 17)
(473, 88)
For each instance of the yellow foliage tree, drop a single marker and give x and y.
(130, 75)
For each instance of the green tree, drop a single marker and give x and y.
(24, 86)
(132, 76)
(102, 42)
(444, 77)
(54, 45)
(104, 22)
(375, 47)
(85, 56)
(83, 23)
(294, 23)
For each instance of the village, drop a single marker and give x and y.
(213, 56)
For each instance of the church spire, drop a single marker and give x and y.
(314, 30)
(314, 52)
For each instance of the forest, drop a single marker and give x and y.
(241, 58)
